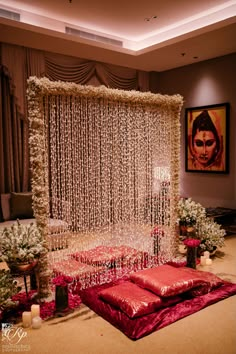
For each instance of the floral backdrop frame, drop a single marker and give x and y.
(103, 157)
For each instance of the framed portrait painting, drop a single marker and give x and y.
(207, 139)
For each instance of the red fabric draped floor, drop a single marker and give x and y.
(139, 327)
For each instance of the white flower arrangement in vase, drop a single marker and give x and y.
(188, 212)
(21, 243)
(211, 234)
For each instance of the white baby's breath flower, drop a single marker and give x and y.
(21, 243)
(189, 212)
(206, 229)
(211, 234)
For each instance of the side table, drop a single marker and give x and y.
(18, 273)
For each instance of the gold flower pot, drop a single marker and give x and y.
(22, 267)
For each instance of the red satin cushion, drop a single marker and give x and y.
(131, 299)
(167, 281)
(212, 282)
(104, 255)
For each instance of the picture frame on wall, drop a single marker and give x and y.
(207, 138)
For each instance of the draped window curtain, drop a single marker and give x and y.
(14, 151)
(13, 135)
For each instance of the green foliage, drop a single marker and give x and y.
(8, 288)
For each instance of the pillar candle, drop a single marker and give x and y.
(208, 261)
(206, 254)
(35, 311)
(36, 322)
(203, 260)
(26, 319)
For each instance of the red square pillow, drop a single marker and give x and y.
(167, 281)
(212, 282)
(131, 299)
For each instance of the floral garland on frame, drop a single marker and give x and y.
(39, 167)
(38, 90)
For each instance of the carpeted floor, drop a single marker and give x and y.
(209, 331)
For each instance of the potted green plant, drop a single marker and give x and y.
(8, 288)
(21, 246)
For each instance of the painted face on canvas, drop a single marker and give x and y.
(204, 145)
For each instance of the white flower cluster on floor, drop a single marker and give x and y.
(191, 213)
(210, 233)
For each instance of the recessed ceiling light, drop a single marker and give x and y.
(148, 19)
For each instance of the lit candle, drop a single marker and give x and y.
(26, 319)
(35, 311)
(36, 322)
(208, 261)
(203, 260)
(206, 254)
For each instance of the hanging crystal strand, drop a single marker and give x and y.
(91, 168)
(67, 166)
(61, 166)
(68, 196)
(106, 123)
(174, 168)
(78, 165)
(53, 160)
(96, 157)
(85, 163)
(140, 164)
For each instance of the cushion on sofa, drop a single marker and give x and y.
(5, 206)
(21, 205)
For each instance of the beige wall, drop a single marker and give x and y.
(205, 83)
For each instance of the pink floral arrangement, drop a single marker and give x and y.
(62, 280)
(192, 242)
(157, 231)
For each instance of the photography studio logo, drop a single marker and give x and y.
(14, 339)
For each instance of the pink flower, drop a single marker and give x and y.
(192, 242)
(62, 280)
(157, 231)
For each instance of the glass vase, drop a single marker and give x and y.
(61, 298)
(182, 230)
(191, 257)
(191, 231)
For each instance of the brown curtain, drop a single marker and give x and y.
(84, 72)
(12, 138)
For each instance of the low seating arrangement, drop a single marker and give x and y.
(151, 299)
(100, 264)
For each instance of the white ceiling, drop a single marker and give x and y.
(155, 35)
